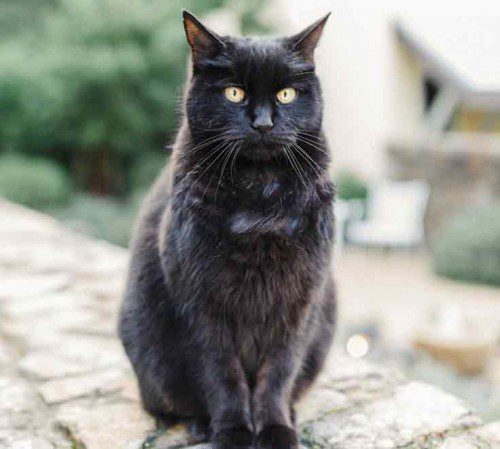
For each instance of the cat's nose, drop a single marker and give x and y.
(263, 127)
(263, 121)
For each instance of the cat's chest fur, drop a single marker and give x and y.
(260, 239)
(256, 209)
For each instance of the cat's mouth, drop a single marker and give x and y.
(264, 147)
(263, 152)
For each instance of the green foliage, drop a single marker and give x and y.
(145, 171)
(95, 77)
(37, 183)
(102, 217)
(350, 186)
(17, 15)
(468, 247)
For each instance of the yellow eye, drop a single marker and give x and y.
(234, 94)
(286, 95)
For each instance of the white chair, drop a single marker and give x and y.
(395, 216)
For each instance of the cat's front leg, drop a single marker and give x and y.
(272, 407)
(228, 398)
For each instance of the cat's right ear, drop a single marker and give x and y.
(204, 43)
(306, 41)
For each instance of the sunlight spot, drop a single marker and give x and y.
(357, 346)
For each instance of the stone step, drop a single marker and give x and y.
(66, 384)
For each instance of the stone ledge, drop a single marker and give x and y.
(65, 382)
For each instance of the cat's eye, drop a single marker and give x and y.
(234, 94)
(286, 95)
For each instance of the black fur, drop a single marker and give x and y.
(229, 308)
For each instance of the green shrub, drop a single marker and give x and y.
(350, 186)
(468, 247)
(105, 218)
(37, 183)
(95, 81)
(146, 169)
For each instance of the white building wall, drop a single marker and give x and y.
(371, 90)
(372, 85)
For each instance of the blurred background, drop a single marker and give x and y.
(89, 102)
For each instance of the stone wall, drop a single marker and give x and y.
(65, 382)
(458, 178)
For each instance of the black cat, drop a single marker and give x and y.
(230, 304)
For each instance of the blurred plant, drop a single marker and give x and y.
(143, 173)
(96, 84)
(16, 15)
(106, 218)
(37, 183)
(468, 247)
(350, 186)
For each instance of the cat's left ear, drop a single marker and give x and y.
(306, 41)
(204, 43)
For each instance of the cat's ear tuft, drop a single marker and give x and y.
(204, 43)
(306, 41)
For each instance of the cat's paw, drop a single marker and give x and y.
(237, 438)
(277, 437)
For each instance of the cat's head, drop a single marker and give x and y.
(258, 94)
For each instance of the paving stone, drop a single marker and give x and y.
(15, 439)
(32, 443)
(105, 426)
(130, 390)
(208, 446)
(490, 432)
(98, 326)
(177, 436)
(16, 395)
(19, 286)
(18, 403)
(7, 353)
(358, 382)
(109, 290)
(460, 442)
(415, 409)
(47, 303)
(91, 351)
(319, 402)
(50, 322)
(33, 337)
(62, 317)
(38, 255)
(94, 384)
(46, 365)
(78, 334)
(103, 266)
